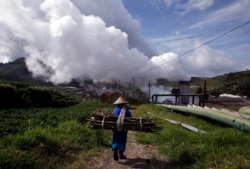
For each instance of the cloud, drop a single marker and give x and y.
(118, 16)
(208, 61)
(224, 55)
(205, 61)
(190, 5)
(225, 15)
(197, 4)
(168, 2)
(62, 41)
(241, 51)
(171, 66)
(178, 43)
(82, 44)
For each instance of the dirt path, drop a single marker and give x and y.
(138, 157)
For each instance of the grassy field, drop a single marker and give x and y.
(52, 138)
(48, 137)
(218, 148)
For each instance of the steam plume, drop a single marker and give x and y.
(63, 39)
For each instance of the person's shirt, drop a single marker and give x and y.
(118, 109)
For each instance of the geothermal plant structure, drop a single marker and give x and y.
(182, 95)
(184, 90)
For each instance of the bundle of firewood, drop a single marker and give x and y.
(103, 120)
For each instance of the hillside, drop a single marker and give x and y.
(234, 82)
(17, 71)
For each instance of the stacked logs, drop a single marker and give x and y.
(103, 120)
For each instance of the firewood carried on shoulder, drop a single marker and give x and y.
(108, 121)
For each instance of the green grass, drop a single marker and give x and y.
(42, 147)
(220, 147)
(14, 121)
(58, 137)
(49, 137)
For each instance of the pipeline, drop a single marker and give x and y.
(217, 115)
(201, 101)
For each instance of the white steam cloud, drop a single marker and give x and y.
(63, 39)
(66, 39)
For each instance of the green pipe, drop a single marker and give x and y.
(217, 115)
(245, 110)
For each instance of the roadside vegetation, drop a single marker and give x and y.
(22, 95)
(44, 129)
(57, 137)
(48, 137)
(220, 147)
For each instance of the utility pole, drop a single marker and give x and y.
(149, 85)
(119, 85)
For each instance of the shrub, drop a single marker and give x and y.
(7, 94)
(15, 95)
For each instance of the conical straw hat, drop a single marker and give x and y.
(120, 100)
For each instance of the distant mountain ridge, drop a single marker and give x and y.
(15, 71)
(237, 83)
(18, 71)
(234, 82)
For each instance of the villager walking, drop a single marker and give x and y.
(119, 136)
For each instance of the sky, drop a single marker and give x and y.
(126, 40)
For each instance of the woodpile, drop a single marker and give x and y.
(103, 120)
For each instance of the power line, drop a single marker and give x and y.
(245, 23)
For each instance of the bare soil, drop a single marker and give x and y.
(139, 156)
